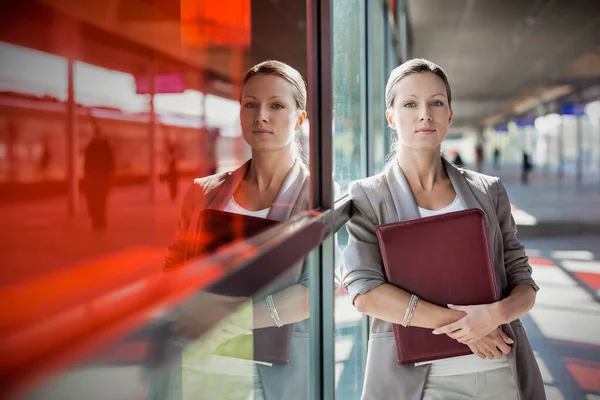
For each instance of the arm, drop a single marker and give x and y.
(291, 304)
(389, 303)
(364, 277)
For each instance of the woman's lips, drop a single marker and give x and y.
(261, 132)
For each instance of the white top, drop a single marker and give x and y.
(468, 364)
(234, 207)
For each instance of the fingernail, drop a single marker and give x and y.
(434, 332)
(450, 305)
(512, 341)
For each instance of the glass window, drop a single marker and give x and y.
(351, 334)
(154, 98)
(349, 93)
(377, 103)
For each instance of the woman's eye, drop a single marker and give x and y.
(410, 105)
(277, 105)
(437, 103)
(250, 105)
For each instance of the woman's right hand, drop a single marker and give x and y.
(492, 346)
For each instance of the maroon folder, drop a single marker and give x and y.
(443, 259)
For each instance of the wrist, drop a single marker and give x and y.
(499, 313)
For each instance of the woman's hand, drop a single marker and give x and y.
(479, 322)
(492, 346)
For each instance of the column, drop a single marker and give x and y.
(152, 136)
(579, 165)
(72, 143)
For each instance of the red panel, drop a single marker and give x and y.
(539, 261)
(591, 279)
(586, 373)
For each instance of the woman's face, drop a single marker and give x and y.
(268, 113)
(420, 113)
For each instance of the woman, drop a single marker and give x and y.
(273, 184)
(417, 182)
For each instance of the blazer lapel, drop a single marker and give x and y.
(404, 201)
(469, 194)
(287, 201)
(227, 189)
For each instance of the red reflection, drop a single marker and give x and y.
(215, 23)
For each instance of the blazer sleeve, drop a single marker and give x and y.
(363, 268)
(516, 261)
(176, 251)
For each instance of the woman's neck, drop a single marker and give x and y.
(268, 169)
(423, 168)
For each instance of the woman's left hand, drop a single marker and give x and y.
(480, 321)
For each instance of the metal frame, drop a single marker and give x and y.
(321, 261)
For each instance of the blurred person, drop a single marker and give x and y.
(458, 160)
(526, 167)
(497, 156)
(273, 184)
(45, 158)
(479, 157)
(417, 182)
(98, 167)
(172, 172)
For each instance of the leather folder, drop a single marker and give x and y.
(218, 228)
(443, 259)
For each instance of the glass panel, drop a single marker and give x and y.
(348, 93)
(153, 89)
(378, 91)
(221, 343)
(351, 336)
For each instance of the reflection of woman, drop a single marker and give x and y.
(417, 183)
(272, 184)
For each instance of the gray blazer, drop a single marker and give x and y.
(290, 381)
(387, 198)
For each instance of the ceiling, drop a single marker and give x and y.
(501, 56)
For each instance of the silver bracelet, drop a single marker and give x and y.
(410, 310)
(273, 311)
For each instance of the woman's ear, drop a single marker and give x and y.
(390, 118)
(300, 120)
(450, 119)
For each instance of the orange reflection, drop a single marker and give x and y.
(214, 23)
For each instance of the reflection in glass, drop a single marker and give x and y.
(263, 346)
(152, 89)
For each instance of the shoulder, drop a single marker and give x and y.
(367, 187)
(483, 181)
(367, 194)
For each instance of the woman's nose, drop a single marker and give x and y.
(425, 114)
(261, 115)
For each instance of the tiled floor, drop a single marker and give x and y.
(564, 325)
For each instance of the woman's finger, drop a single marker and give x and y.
(504, 336)
(448, 328)
(497, 353)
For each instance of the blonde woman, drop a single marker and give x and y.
(416, 183)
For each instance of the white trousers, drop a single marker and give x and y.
(489, 385)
